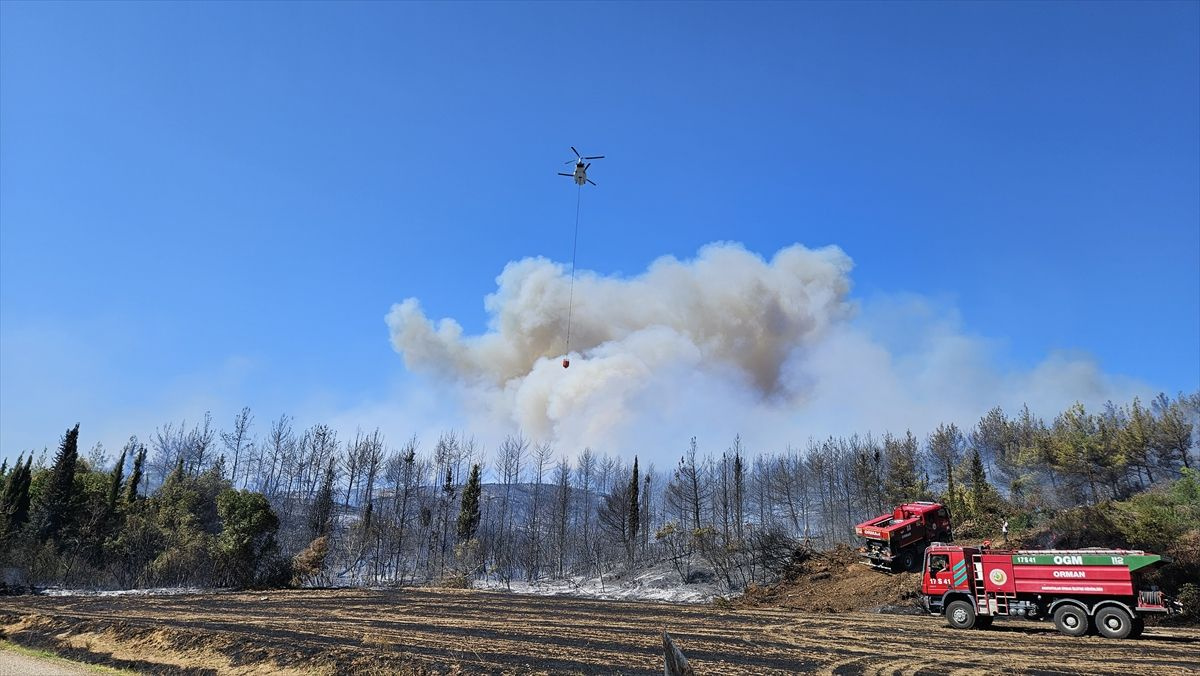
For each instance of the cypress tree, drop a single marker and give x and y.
(177, 475)
(19, 509)
(114, 482)
(468, 514)
(8, 496)
(58, 501)
(135, 477)
(634, 512)
(979, 484)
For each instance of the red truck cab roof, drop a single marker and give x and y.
(906, 514)
(911, 509)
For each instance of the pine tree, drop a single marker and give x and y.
(366, 520)
(902, 481)
(1079, 451)
(135, 477)
(321, 514)
(945, 446)
(634, 511)
(1135, 437)
(613, 515)
(739, 491)
(468, 514)
(58, 502)
(1171, 437)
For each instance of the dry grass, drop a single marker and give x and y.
(449, 631)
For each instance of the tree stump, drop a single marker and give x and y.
(674, 663)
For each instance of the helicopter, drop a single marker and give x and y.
(581, 168)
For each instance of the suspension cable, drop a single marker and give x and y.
(574, 250)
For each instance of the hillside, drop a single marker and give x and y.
(836, 581)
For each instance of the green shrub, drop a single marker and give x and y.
(1189, 596)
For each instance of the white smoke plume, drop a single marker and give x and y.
(726, 343)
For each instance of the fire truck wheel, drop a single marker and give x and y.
(961, 614)
(906, 561)
(1113, 622)
(1071, 620)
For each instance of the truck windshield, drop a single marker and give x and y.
(938, 563)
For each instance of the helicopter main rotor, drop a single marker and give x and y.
(579, 158)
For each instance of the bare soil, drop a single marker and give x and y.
(455, 631)
(838, 581)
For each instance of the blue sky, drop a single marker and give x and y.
(205, 206)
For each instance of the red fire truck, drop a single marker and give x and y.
(895, 541)
(1077, 588)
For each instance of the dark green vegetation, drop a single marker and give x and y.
(198, 507)
(73, 523)
(1165, 519)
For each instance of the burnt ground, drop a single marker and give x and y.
(421, 630)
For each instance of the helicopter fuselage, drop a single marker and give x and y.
(579, 175)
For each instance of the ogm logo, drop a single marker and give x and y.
(997, 576)
(1069, 560)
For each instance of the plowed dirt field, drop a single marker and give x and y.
(366, 631)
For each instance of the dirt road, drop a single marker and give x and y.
(352, 631)
(15, 664)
